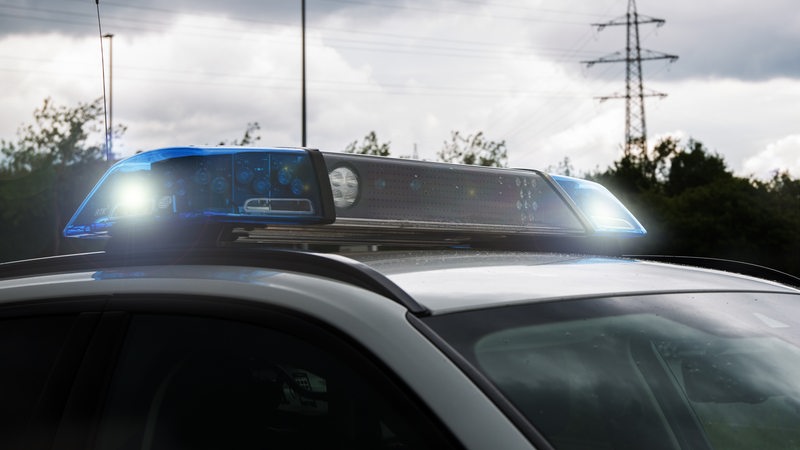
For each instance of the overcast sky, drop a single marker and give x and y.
(198, 71)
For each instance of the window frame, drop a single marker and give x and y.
(84, 411)
(48, 415)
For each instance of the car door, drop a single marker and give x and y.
(42, 349)
(167, 371)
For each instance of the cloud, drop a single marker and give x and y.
(733, 117)
(743, 40)
(781, 155)
(589, 146)
(751, 41)
(412, 71)
(196, 90)
(79, 17)
(746, 40)
(66, 69)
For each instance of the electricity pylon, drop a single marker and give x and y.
(635, 125)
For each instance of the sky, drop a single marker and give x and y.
(197, 72)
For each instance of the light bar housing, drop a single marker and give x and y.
(175, 187)
(290, 195)
(435, 196)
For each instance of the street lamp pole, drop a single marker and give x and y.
(303, 20)
(110, 130)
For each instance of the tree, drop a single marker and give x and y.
(693, 205)
(694, 166)
(564, 167)
(45, 174)
(474, 149)
(58, 137)
(635, 173)
(251, 136)
(369, 146)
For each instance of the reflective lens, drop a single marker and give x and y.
(344, 183)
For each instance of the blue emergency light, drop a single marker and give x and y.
(607, 215)
(175, 186)
(171, 188)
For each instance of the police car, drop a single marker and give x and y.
(288, 298)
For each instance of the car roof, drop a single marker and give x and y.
(423, 281)
(454, 280)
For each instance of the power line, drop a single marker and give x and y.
(427, 9)
(549, 113)
(280, 84)
(388, 44)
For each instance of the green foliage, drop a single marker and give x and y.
(693, 205)
(694, 167)
(564, 167)
(250, 138)
(57, 137)
(369, 146)
(474, 149)
(44, 175)
(641, 172)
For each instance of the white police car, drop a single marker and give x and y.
(286, 298)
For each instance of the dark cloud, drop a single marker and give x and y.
(742, 40)
(76, 17)
(412, 70)
(757, 50)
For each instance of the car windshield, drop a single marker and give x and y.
(688, 371)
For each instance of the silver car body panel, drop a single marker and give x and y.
(451, 281)
(379, 324)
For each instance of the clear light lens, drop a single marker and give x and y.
(133, 198)
(607, 214)
(344, 184)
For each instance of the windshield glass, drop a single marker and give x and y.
(699, 371)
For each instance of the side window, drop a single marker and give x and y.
(29, 348)
(191, 382)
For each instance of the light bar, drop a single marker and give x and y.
(431, 196)
(608, 216)
(169, 192)
(199, 185)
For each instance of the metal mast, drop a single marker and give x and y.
(635, 124)
(110, 130)
(303, 142)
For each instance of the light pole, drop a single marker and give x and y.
(110, 130)
(303, 43)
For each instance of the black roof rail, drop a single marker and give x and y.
(740, 267)
(331, 266)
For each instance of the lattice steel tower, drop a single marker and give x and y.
(635, 125)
